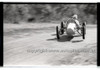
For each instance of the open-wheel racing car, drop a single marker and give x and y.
(70, 28)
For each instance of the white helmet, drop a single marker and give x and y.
(75, 16)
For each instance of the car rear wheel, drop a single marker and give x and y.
(57, 33)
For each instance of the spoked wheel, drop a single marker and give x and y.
(83, 30)
(62, 28)
(57, 33)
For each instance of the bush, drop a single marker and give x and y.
(49, 12)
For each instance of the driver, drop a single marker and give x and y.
(75, 18)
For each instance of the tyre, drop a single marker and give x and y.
(57, 33)
(84, 25)
(62, 28)
(83, 30)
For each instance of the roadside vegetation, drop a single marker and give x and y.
(16, 13)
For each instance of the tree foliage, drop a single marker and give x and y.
(49, 12)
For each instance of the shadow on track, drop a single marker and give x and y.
(65, 38)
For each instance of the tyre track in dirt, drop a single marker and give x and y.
(15, 52)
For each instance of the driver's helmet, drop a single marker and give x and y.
(75, 16)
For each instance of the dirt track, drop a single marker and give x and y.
(37, 45)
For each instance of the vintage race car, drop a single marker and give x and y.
(70, 28)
